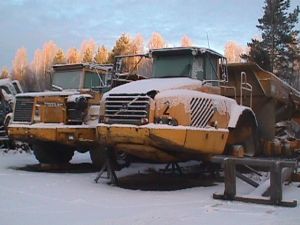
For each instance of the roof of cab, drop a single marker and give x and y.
(91, 66)
(184, 50)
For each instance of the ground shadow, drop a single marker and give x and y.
(67, 168)
(162, 181)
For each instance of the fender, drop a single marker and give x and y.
(236, 112)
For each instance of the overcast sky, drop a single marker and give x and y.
(30, 23)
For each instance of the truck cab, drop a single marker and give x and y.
(178, 114)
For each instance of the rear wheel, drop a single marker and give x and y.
(246, 134)
(251, 144)
(52, 153)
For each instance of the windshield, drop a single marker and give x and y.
(172, 66)
(66, 79)
(94, 80)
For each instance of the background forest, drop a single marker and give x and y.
(276, 49)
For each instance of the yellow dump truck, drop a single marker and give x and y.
(195, 106)
(56, 123)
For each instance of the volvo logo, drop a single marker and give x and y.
(124, 107)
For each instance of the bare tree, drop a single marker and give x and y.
(156, 41)
(20, 63)
(186, 41)
(233, 52)
(21, 70)
(137, 45)
(37, 67)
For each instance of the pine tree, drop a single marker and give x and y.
(59, 58)
(122, 46)
(278, 33)
(101, 56)
(73, 56)
(4, 73)
(88, 56)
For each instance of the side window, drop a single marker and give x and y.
(17, 88)
(198, 68)
(211, 68)
(91, 80)
(6, 89)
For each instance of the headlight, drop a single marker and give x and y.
(166, 120)
(37, 113)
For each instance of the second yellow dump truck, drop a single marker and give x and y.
(56, 123)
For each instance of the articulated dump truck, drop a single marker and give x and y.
(196, 106)
(56, 123)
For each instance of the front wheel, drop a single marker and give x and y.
(98, 157)
(52, 153)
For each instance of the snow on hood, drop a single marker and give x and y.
(47, 93)
(157, 84)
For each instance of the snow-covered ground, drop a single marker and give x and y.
(39, 198)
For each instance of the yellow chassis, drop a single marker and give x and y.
(162, 142)
(71, 135)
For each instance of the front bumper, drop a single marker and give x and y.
(72, 135)
(163, 141)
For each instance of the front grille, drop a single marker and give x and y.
(74, 115)
(127, 108)
(23, 109)
(201, 111)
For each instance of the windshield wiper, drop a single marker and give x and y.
(57, 87)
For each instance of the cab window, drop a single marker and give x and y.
(91, 80)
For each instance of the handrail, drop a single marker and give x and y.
(245, 86)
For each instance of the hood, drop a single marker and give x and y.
(48, 93)
(155, 84)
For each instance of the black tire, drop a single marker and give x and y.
(123, 159)
(119, 160)
(52, 153)
(98, 157)
(246, 125)
(251, 145)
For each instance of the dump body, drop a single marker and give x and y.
(273, 100)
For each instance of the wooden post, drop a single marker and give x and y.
(275, 183)
(230, 179)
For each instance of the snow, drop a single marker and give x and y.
(164, 126)
(52, 125)
(73, 98)
(5, 81)
(158, 84)
(47, 93)
(39, 198)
